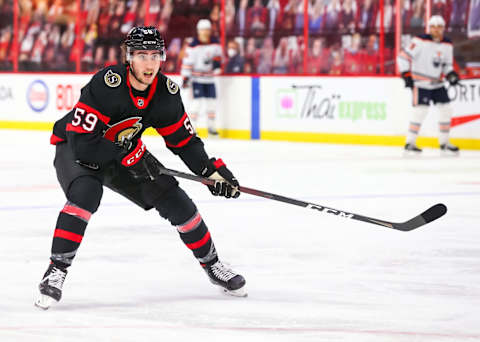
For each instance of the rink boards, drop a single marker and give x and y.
(354, 110)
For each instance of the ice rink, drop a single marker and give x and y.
(310, 276)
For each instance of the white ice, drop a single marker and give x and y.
(310, 276)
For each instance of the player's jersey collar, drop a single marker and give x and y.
(139, 101)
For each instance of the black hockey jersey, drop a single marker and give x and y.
(110, 109)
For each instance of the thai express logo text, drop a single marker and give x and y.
(362, 110)
(311, 102)
(37, 95)
(305, 102)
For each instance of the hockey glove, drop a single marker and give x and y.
(225, 182)
(186, 82)
(407, 78)
(139, 162)
(452, 77)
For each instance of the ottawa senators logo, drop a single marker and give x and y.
(125, 129)
(112, 79)
(172, 87)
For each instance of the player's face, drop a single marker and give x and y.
(204, 35)
(437, 32)
(145, 66)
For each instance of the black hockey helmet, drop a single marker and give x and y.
(145, 38)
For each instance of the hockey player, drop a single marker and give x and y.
(99, 144)
(201, 62)
(423, 64)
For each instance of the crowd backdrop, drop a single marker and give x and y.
(336, 37)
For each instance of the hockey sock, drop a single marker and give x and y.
(211, 120)
(211, 105)
(84, 195)
(194, 233)
(444, 118)
(418, 115)
(194, 118)
(180, 210)
(69, 231)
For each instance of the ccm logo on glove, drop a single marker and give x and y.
(135, 154)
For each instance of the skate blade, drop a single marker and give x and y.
(449, 153)
(411, 154)
(241, 292)
(44, 302)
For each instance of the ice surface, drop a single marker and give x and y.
(310, 276)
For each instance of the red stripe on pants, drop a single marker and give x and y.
(60, 233)
(199, 243)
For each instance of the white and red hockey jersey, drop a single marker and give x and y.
(428, 61)
(202, 61)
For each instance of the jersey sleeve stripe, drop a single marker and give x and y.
(76, 129)
(172, 128)
(181, 143)
(105, 119)
(55, 140)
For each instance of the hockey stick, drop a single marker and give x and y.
(429, 215)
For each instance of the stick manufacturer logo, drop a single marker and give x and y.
(329, 210)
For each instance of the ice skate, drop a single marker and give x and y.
(449, 149)
(51, 287)
(212, 132)
(229, 281)
(412, 149)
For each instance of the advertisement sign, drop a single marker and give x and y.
(375, 106)
(329, 105)
(39, 97)
(465, 102)
(48, 97)
(360, 106)
(6, 93)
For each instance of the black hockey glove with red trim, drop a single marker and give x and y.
(225, 182)
(452, 77)
(139, 162)
(407, 78)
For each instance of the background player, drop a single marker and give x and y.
(423, 64)
(201, 62)
(98, 144)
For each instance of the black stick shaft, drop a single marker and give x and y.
(429, 215)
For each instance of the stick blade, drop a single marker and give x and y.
(429, 215)
(435, 212)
